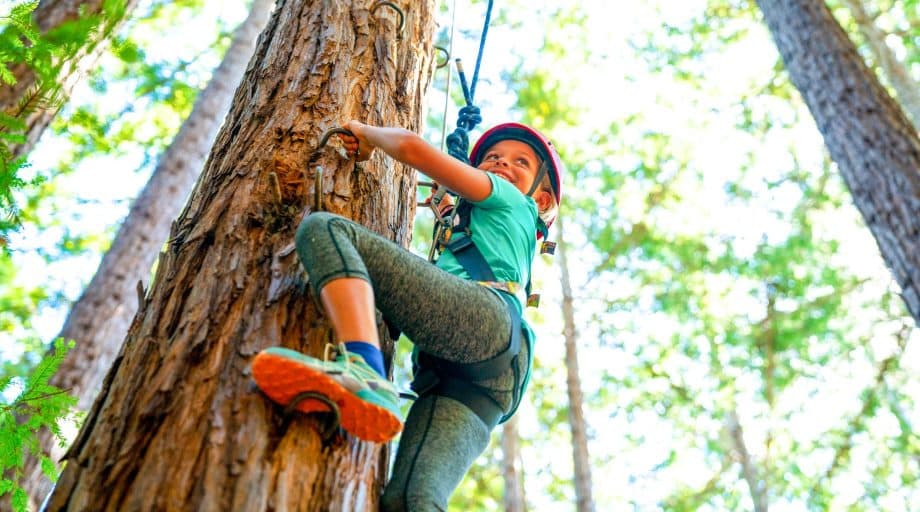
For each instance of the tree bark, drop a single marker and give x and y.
(99, 320)
(48, 15)
(868, 136)
(906, 88)
(178, 424)
(511, 467)
(581, 460)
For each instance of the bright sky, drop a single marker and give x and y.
(614, 84)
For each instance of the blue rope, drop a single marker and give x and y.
(458, 142)
(482, 43)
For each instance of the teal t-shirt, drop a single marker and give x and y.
(504, 227)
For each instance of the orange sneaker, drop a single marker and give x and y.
(367, 402)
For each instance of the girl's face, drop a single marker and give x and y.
(513, 161)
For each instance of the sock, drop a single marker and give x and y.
(370, 353)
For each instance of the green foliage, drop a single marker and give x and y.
(23, 45)
(17, 303)
(678, 47)
(38, 405)
(160, 96)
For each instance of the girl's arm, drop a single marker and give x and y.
(412, 150)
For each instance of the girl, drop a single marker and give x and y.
(472, 350)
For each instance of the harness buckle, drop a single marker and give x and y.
(458, 244)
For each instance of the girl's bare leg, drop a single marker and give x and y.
(349, 304)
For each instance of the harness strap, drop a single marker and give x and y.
(469, 256)
(476, 398)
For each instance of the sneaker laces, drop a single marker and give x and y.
(335, 351)
(332, 353)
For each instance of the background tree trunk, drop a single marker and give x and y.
(512, 471)
(99, 320)
(178, 424)
(48, 15)
(743, 456)
(581, 460)
(906, 88)
(867, 134)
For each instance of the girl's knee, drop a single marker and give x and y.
(310, 224)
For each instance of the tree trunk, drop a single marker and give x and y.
(48, 15)
(748, 467)
(873, 143)
(511, 467)
(99, 320)
(906, 88)
(582, 463)
(178, 424)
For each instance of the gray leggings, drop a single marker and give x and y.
(444, 315)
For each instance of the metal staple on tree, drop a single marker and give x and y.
(314, 155)
(402, 15)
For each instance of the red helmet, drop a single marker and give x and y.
(537, 141)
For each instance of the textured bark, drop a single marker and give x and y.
(581, 460)
(48, 15)
(906, 88)
(99, 320)
(511, 467)
(178, 425)
(869, 137)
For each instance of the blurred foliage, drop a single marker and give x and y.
(38, 405)
(159, 94)
(22, 43)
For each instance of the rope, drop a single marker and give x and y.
(482, 43)
(450, 51)
(458, 142)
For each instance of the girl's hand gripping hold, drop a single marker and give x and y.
(358, 146)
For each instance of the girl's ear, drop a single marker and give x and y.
(543, 199)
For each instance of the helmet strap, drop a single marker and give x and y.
(543, 232)
(541, 173)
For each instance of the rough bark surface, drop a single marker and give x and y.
(868, 136)
(178, 425)
(511, 467)
(99, 320)
(583, 486)
(50, 14)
